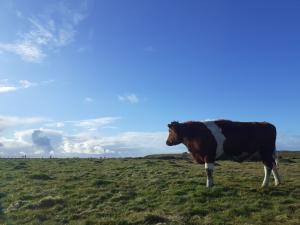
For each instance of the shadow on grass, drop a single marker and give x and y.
(102, 182)
(272, 191)
(40, 176)
(219, 191)
(21, 166)
(46, 202)
(2, 215)
(155, 219)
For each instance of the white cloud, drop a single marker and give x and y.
(85, 125)
(131, 98)
(54, 28)
(7, 89)
(73, 144)
(46, 82)
(10, 121)
(12, 147)
(55, 125)
(89, 99)
(120, 145)
(26, 84)
(32, 142)
(28, 51)
(5, 86)
(97, 122)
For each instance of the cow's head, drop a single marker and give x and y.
(175, 135)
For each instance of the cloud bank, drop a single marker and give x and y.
(89, 139)
(288, 142)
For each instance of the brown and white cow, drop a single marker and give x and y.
(209, 141)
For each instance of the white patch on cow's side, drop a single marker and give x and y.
(209, 166)
(218, 135)
(267, 177)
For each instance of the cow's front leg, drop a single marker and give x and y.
(209, 167)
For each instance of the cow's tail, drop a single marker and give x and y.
(275, 153)
(275, 157)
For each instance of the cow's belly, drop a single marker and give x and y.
(253, 156)
(241, 149)
(240, 156)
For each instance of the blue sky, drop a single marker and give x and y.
(91, 78)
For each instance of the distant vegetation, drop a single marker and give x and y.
(282, 155)
(161, 189)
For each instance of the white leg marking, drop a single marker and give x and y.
(267, 177)
(209, 167)
(276, 176)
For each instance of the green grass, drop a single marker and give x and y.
(144, 191)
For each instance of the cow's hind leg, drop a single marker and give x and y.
(267, 156)
(267, 176)
(275, 173)
(209, 167)
(270, 165)
(268, 169)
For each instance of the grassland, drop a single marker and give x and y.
(144, 191)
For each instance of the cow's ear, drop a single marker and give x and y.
(169, 125)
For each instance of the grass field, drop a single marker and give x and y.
(145, 191)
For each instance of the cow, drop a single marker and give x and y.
(209, 141)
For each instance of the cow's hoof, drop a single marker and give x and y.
(277, 184)
(210, 185)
